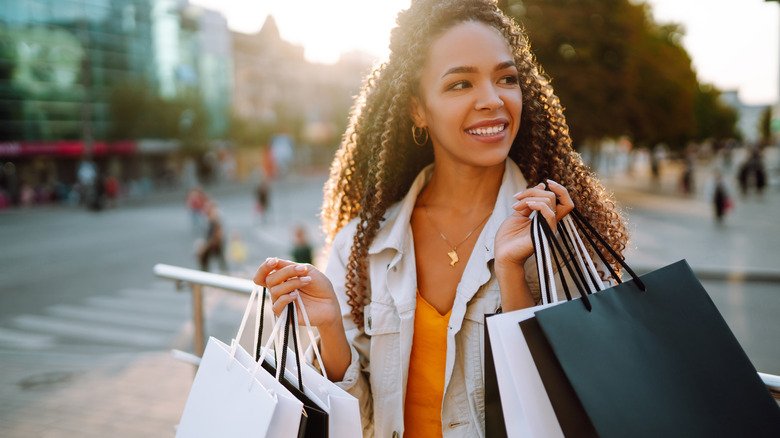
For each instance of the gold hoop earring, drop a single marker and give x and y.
(420, 137)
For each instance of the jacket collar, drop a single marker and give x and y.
(395, 231)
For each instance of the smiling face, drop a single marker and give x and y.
(470, 98)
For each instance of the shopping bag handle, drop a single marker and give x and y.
(286, 319)
(580, 219)
(261, 351)
(291, 321)
(291, 317)
(544, 231)
(234, 347)
(573, 243)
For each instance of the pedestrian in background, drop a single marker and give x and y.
(752, 173)
(302, 250)
(426, 212)
(196, 203)
(721, 200)
(112, 191)
(213, 246)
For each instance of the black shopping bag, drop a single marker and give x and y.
(573, 419)
(651, 357)
(658, 360)
(314, 421)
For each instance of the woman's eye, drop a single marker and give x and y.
(510, 80)
(459, 85)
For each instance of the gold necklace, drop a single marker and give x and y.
(454, 254)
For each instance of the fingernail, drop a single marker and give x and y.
(272, 261)
(516, 205)
(294, 294)
(549, 181)
(305, 280)
(532, 203)
(300, 268)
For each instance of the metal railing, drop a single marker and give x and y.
(197, 279)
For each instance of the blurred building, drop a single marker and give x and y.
(276, 88)
(61, 61)
(748, 116)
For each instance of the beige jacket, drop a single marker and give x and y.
(381, 347)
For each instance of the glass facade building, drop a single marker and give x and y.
(61, 61)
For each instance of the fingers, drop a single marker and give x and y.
(282, 302)
(547, 213)
(557, 199)
(566, 204)
(536, 194)
(283, 279)
(271, 265)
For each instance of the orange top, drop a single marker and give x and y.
(425, 386)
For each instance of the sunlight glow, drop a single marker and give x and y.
(324, 28)
(734, 44)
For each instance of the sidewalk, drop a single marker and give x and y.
(120, 396)
(667, 226)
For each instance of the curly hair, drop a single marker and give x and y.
(378, 160)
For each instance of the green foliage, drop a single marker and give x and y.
(714, 118)
(616, 71)
(765, 125)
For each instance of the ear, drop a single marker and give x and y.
(416, 112)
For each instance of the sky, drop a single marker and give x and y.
(734, 44)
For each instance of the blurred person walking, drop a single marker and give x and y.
(213, 245)
(302, 250)
(752, 173)
(721, 200)
(262, 189)
(196, 203)
(112, 191)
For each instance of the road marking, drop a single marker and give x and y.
(88, 314)
(25, 340)
(89, 332)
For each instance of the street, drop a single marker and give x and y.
(71, 276)
(81, 312)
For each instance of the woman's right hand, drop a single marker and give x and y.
(286, 280)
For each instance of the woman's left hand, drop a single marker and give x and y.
(513, 243)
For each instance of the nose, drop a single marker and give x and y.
(489, 98)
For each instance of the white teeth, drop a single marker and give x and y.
(493, 130)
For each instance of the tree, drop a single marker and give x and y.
(765, 126)
(614, 69)
(714, 119)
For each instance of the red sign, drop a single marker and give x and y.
(65, 148)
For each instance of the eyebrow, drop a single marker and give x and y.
(470, 69)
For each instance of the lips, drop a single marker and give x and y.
(488, 127)
(487, 130)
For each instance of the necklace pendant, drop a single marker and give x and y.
(454, 257)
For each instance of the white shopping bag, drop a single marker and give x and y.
(527, 409)
(225, 400)
(342, 408)
(230, 398)
(287, 417)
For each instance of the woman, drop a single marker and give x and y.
(426, 211)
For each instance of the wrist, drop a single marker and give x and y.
(333, 326)
(504, 264)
